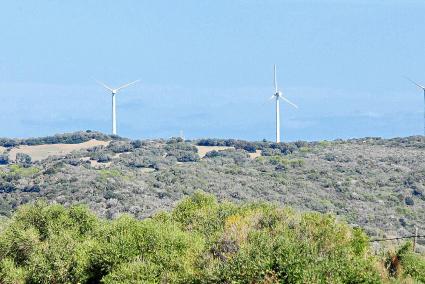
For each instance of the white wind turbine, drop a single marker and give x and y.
(114, 92)
(423, 89)
(278, 95)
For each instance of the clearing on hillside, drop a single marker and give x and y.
(203, 150)
(40, 152)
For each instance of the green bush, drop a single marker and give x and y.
(200, 241)
(10, 274)
(23, 159)
(405, 263)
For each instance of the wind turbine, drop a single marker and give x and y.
(278, 95)
(423, 89)
(114, 92)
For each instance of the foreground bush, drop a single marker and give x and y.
(200, 241)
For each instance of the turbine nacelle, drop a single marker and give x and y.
(279, 95)
(114, 91)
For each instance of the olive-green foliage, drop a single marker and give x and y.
(10, 274)
(46, 242)
(202, 214)
(259, 243)
(104, 173)
(200, 241)
(404, 262)
(160, 249)
(23, 171)
(283, 162)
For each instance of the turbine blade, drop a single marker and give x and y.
(288, 101)
(274, 78)
(126, 85)
(420, 86)
(272, 97)
(104, 85)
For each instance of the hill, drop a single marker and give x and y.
(374, 183)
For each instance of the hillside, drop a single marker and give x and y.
(374, 183)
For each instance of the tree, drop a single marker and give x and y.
(4, 159)
(23, 159)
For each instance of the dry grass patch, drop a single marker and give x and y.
(40, 152)
(255, 155)
(203, 150)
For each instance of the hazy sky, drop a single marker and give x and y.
(206, 67)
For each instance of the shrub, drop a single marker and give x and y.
(238, 156)
(173, 140)
(250, 148)
(404, 263)
(137, 144)
(100, 157)
(409, 201)
(120, 147)
(23, 159)
(168, 253)
(10, 273)
(270, 152)
(412, 264)
(4, 159)
(184, 156)
(31, 188)
(7, 187)
(21, 170)
(200, 241)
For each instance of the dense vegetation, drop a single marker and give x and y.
(66, 138)
(377, 184)
(200, 241)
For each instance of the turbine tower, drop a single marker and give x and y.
(278, 95)
(114, 92)
(423, 89)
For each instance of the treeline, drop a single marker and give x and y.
(268, 148)
(200, 241)
(65, 138)
(272, 148)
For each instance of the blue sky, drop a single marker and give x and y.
(206, 67)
